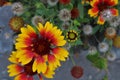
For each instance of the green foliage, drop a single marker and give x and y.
(100, 63)
(68, 6)
(76, 22)
(41, 9)
(97, 61)
(93, 57)
(81, 9)
(96, 29)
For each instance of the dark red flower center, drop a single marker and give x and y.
(41, 46)
(74, 13)
(103, 5)
(28, 69)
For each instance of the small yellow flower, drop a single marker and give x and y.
(71, 35)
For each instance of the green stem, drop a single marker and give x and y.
(73, 62)
(96, 39)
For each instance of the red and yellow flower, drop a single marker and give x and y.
(24, 72)
(43, 47)
(100, 5)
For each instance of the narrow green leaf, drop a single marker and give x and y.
(81, 10)
(95, 29)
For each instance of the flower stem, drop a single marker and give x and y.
(96, 39)
(73, 62)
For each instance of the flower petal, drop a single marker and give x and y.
(60, 53)
(94, 3)
(112, 2)
(51, 33)
(49, 73)
(30, 78)
(21, 76)
(116, 2)
(39, 65)
(93, 12)
(20, 45)
(14, 69)
(24, 40)
(13, 57)
(114, 12)
(53, 62)
(27, 56)
(100, 20)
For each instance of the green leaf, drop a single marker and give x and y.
(76, 22)
(69, 6)
(81, 10)
(105, 77)
(40, 9)
(93, 57)
(95, 29)
(39, 5)
(79, 42)
(110, 43)
(97, 61)
(101, 63)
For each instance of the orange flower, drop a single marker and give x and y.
(100, 5)
(44, 47)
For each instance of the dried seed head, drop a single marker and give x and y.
(77, 71)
